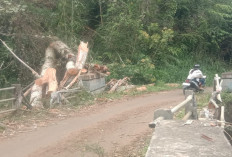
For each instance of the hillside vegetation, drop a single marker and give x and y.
(146, 40)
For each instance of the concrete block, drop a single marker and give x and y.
(198, 139)
(167, 114)
(227, 85)
(227, 81)
(93, 82)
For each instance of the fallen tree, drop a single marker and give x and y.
(48, 84)
(48, 72)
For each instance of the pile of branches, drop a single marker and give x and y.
(114, 84)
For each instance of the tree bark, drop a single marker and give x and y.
(75, 69)
(80, 61)
(55, 49)
(48, 78)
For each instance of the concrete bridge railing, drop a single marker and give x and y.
(189, 104)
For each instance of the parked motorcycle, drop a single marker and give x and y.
(193, 84)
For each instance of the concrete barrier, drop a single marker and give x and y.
(165, 114)
(93, 82)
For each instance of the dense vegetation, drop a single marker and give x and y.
(147, 40)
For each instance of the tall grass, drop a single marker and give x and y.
(178, 72)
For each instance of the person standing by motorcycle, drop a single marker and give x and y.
(196, 74)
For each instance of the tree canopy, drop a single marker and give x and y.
(146, 40)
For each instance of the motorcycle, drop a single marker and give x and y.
(193, 84)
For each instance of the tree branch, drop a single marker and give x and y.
(33, 71)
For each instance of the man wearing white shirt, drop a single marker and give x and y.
(197, 74)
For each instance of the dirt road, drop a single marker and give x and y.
(113, 129)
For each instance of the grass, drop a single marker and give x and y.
(143, 151)
(202, 99)
(96, 149)
(180, 114)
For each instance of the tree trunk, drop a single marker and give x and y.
(55, 50)
(48, 78)
(75, 69)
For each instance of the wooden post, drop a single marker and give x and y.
(18, 95)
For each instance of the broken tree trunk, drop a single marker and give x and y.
(82, 55)
(80, 62)
(50, 78)
(56, 48)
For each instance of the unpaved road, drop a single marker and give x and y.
(113, 129)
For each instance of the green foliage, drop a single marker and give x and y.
(6, 95)
(227, 102)
(140, 73)
(117, 40)
(129, 35)
(82, 97)
(202, 99)
(158, 44)
(95, 149)
(178, 72)
(227, 98)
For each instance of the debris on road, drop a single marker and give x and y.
(206, 137)
(140, 89)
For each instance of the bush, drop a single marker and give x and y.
(141, 73)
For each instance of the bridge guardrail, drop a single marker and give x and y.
(190, 110)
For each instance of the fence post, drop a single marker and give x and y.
(191, 106)
(18, 95)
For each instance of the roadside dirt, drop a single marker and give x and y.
(115, 129)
